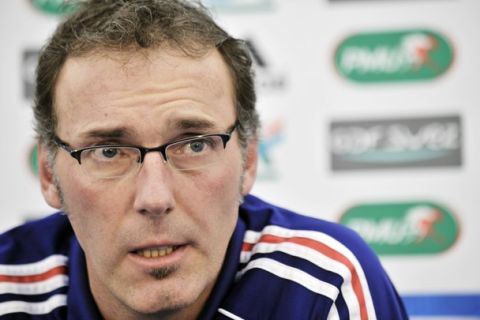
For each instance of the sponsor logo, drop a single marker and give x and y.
(266, 78)
(54, 7)
(406, 228)
(416, 54)
(272, 136)
(33, 160)
(396, 143)
(29, 64)
(239, 5)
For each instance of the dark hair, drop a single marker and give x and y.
(122, 25)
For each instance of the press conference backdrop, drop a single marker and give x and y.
(371, 118)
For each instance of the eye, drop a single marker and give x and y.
(197, 145)
(110, 156)
(109, 152)
(105, 153)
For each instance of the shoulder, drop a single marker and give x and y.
(34, 268)
(35, 240)
(325, 264)
(271, 229)
(264, 219)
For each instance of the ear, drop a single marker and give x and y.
(49, 189)
(250, 167)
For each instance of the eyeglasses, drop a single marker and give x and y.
(114, 161)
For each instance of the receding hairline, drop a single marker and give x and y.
(124, 56)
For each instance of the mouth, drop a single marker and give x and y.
(156, 252)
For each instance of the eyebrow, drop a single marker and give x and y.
(114, 133)
(186, 124)
(175, 125)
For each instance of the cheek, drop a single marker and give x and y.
(212, 207)
(213, 187)
(93, 209)
(212, 198)
(84, 195)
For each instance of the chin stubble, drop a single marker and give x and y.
(161, 273)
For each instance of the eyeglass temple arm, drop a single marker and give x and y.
(74, 153)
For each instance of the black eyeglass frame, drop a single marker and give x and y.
(77, 153)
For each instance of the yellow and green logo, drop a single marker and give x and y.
(406, 228)
(54, 7)
(407, 55)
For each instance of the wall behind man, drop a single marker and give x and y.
(370, 116)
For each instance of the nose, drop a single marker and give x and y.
(154, 187)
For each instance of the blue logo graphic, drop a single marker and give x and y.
(272, 137)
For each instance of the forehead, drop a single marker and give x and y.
(150, 86)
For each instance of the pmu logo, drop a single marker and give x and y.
(408, 228)
(239, 5)
(396, 143)
(54, 7)
(407, 55)
(266, 78)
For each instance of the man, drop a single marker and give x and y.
(147, 142)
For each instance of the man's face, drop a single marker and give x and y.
(185, 218)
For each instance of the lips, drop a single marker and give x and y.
(156, 252)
